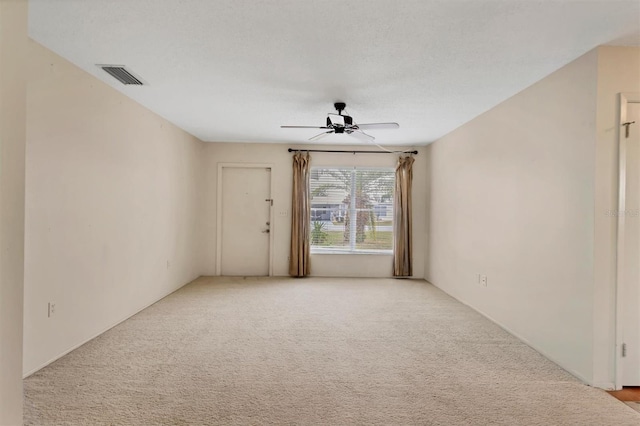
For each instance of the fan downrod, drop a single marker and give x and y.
(339, 106)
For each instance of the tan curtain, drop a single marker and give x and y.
(402, 244)
(300, 217)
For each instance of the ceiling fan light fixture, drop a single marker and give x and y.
(338, 120)
(339, 123)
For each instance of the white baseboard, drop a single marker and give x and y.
(57, 357)
(608, 386)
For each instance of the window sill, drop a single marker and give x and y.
(352, 252)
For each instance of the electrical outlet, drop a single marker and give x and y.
(283, 213)
(51, 309)
(483, 280)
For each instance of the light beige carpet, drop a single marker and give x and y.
(224, 351)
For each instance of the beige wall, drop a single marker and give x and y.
(511, 197)
(277, 155)
(112, 207)
(13, 39)
(618, 71)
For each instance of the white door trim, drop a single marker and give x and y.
(625, 98)
(221, 166)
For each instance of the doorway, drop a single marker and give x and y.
(628, 285)
(244, 220)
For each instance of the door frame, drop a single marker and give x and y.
(625, 98)
(221, 167)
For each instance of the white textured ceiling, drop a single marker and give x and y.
(235, 70)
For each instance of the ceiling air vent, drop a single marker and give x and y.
(121, 74)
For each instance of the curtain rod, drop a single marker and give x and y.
(351, 152)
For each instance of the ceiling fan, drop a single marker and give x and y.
(340, 123)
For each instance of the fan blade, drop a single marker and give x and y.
(303, 127)
(320, 136)
(378, 126)
(362, 136)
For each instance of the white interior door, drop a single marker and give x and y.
(631, 268)
(246, 211)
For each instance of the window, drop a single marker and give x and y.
(351, 210)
